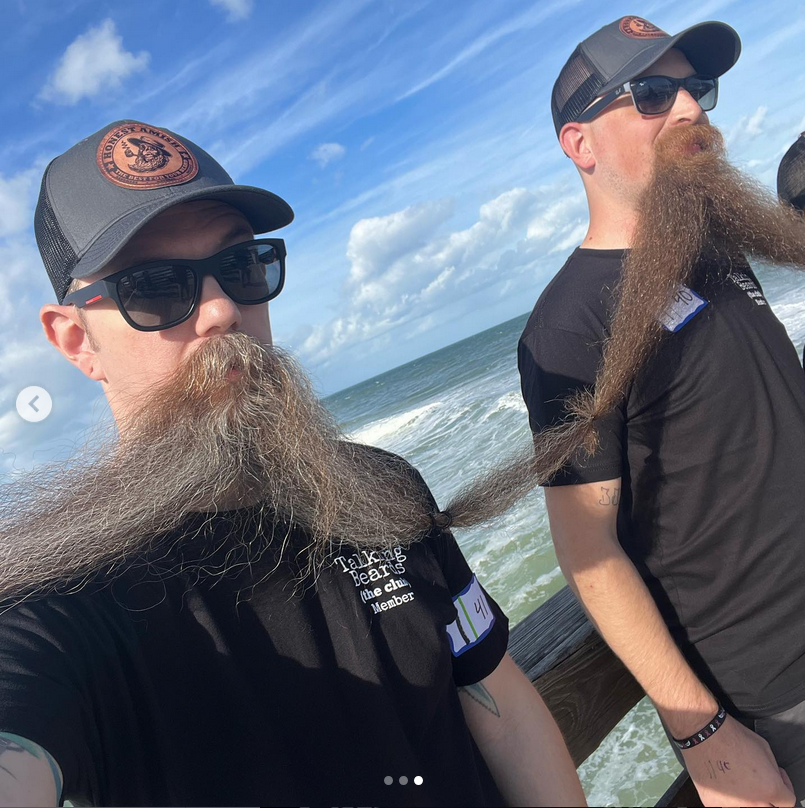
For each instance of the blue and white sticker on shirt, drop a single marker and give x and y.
(474, 620)
(685, 305)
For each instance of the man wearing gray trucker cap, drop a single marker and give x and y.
(677, 512)
(228, 603)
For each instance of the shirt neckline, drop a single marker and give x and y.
(599, 253)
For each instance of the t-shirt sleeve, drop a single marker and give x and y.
(41, 698)
(479, 635)
(553, 364)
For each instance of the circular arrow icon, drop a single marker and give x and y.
(34, 404)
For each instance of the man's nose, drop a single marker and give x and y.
(687, 109)
(216, 310)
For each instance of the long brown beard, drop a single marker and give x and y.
(696, 205)
(201, 442)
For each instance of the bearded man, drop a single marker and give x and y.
(670, 402)
(230, 604)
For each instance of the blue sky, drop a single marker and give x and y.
(413, 140)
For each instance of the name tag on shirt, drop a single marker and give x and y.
(685, 305)
(474, 620)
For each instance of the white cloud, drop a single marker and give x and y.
(402, 269)
(367, 143)
(16, 201)
(327, 152)
(94, 61)
(27, 358)
(236, 9)
(572, 238)
(19, 258)
(529, 19)
(747, 127)
(754, 125)
(378, 245)
(556, 221)
(274, 79)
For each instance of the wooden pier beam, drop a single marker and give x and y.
(586, 687)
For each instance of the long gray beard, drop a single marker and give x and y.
(202, 442)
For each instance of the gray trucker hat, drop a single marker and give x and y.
(622, 50)
(100, 192)
(791, 175)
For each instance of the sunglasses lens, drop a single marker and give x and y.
(157, 296)
(252, 273)
(703, 90)
(161, 296)
(653, 95)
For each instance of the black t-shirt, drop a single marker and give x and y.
(208, 690)
(710, 444)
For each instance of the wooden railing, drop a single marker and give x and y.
(586, 687)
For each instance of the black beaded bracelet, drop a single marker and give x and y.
(706, 732)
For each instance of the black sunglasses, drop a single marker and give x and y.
(162, 294)
(653, 95)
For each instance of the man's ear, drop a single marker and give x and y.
(64, 331)
(575, 142)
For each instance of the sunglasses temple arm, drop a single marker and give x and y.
(599, 105)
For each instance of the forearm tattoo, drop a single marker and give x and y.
(7, 745)
(15, 743)
(609, 496)
(479, 693)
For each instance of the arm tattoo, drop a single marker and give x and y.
(16, 743)
(479, 693)
(722, 765)
(607, 499)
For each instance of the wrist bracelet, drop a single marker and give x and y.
(704, 733)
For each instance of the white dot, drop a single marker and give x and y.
(418, 780)
(388, 780)
(403, 781)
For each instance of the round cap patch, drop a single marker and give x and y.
(135, 155)
(638, 28)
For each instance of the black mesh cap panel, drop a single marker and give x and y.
(791, 175)
(58, 256)
(575, 89)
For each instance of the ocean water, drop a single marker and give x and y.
(455, 412)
